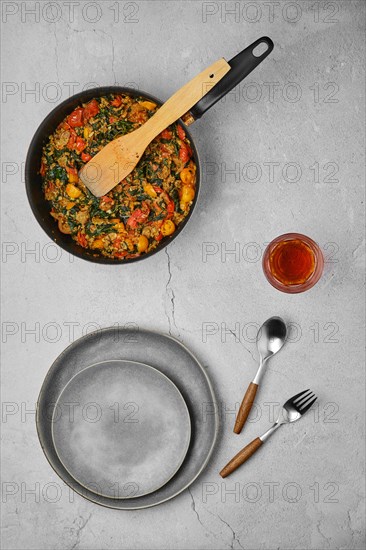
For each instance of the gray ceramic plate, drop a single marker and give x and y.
(121, 424)
(166, 355)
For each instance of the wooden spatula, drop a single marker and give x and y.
(119, 157)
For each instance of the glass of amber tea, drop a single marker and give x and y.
(293, 263)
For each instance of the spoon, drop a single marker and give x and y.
(270, 339)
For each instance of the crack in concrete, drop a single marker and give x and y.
(350, 528)
(235, 538)
(78, 31)
(193, 506)
(322, 534)
(240, 342)
(233, 333)
(360, 245)
(79, 530)
(349, 525)
(14, 223)
(171, 295)
(113, 71)
(233, 533)
(56, 53)
(248, 350)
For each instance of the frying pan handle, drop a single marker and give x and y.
(241, 65)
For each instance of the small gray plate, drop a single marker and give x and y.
(121, 425)
(165, 354)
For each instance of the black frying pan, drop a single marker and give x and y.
(241, 65)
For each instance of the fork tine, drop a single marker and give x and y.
(307, 407)
(301, 402)
(295, 397)
(298, 395)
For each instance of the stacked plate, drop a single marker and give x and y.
(127, 418)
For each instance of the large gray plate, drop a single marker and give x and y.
(166, 355)
(119, 424)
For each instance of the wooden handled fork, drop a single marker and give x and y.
(292, 410)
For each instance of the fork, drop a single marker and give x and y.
(292, 410)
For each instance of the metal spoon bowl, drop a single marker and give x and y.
(270, 339)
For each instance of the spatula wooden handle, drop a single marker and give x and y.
(241, 457)
(245, 407)
(118, 158)
(187, 96)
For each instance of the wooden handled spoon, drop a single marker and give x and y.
(119, 157)
(270, 339)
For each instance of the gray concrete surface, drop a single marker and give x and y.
(293, 134)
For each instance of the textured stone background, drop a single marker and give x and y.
(303, 110)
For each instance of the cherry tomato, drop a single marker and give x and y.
(80, 144)
(138, 216)
(170, 206)
(184, 152)
(117, 101)
(132, 220)
(181, 132)
(117, 242)
(85, 157)
(72, 138)
(121, 254)
(76, 118)
(82, 239)
(105, 203)
(65, 126)
(71, 170)
(166, 134)
(107, 199)
(43, 169)
(91, 109)
(112, 119)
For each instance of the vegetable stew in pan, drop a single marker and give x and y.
(146, 206)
